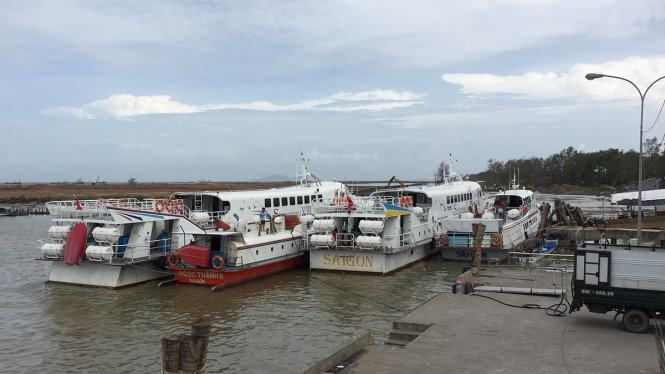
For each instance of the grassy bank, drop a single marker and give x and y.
(43, 192)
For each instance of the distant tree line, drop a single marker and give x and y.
(611, 167)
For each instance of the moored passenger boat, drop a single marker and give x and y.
(510, 217)
(385, 231)
(214, 238)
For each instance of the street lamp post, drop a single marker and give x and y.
(592, 76)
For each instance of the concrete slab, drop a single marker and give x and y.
(470, 334)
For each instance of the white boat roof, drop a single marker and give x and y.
(439, 189)
(296, 190)
(632, 195)
(520, 193)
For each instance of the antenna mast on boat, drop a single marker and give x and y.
(303, 174)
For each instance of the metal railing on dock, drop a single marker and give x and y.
(545, 274)
(659, 333)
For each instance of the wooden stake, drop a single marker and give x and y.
(170, 354)
(478, 235)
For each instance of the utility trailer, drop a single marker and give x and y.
(627, 279)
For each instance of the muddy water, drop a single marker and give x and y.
(275, 325)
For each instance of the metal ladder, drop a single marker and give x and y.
(198, 202)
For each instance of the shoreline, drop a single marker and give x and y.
(36, 193)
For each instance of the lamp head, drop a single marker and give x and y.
(592, 76)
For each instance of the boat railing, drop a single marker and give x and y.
(97, 209)
(347, 241)
(234, 262)
(358, 204)
(464, 239)
(213, 216)
(134, 252)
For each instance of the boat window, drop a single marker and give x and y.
(320, 197)
(292, 200)
(275, 201)
(306, 199)
(300, 200)
(447, 199)
(313, 198)
(226, 206)
(285, 201)
(268, 203)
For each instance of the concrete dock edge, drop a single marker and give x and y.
(360, 340)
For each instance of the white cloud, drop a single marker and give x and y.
(570, 84)
(377, 95)
(127, 106)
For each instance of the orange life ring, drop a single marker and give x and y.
(159, 205)
(178, 207)
(173, 259)
(217, 262)
(497, 240)
(443, 240)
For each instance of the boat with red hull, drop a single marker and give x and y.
(232, 276)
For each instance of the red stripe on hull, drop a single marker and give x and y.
(229, 277)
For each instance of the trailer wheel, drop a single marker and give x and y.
(636, 321)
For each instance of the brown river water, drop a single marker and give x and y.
(276, 324)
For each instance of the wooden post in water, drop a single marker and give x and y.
(170, 354)
(478, 235)
(186, 353)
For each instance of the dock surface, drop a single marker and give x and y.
(471, 334)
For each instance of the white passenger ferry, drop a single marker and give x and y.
(510, 217)
(213, 238)
(387, 230)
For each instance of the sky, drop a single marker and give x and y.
(235, 90)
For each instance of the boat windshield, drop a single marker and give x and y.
(508, 201)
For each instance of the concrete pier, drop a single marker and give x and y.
(467, 333)
(470, 334)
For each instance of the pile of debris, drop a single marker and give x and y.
(563, 214)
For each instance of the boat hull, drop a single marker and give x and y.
(367, 261)
(96, 274)
(465, 254)
(228, 277)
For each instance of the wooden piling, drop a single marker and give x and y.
(170, 354)
(186, 353)
(478, 235)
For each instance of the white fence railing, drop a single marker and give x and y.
(359, 204)
(98, 208)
